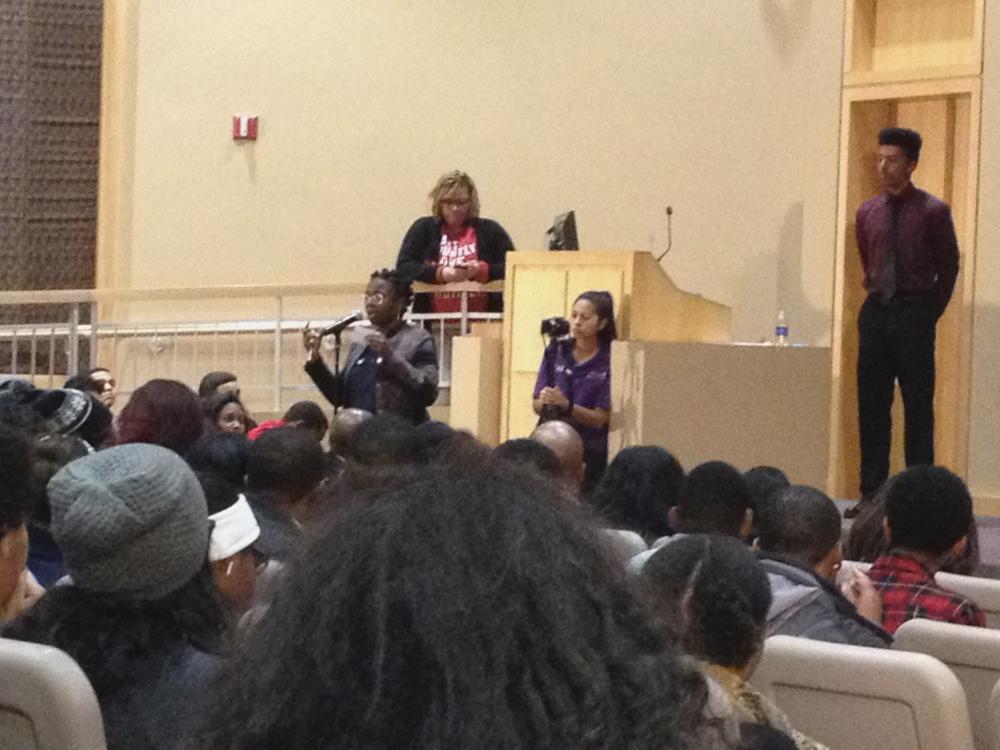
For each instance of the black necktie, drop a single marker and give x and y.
(887, 287)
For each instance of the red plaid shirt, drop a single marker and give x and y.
(909, 591)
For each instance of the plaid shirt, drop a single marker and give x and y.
(909, 591)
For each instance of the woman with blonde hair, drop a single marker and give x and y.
(455, 244)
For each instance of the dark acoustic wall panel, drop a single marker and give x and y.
(50, 94)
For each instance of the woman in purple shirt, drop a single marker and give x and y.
(574, 380)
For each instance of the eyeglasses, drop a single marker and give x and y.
(376, 299)
(455, 202)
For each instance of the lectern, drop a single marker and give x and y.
(648, 307)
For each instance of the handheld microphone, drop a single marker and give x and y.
(670, 236)
(339, 325)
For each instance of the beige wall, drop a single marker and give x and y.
(984, 428)
(728, 111)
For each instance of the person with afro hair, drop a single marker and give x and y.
(928, 514)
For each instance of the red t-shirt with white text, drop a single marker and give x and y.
(458, 247)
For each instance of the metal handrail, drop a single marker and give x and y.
(73, 330)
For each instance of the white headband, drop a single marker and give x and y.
(235, 529)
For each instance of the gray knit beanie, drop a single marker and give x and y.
(130, 520)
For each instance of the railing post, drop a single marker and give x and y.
(278, 350)
(73, 341)
(93, 335)
(464, 326)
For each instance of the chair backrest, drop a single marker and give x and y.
(46, 701)
(995, 709)
(985, 592)
(973, 654)
(864, 698)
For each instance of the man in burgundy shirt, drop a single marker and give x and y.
(928, 514)
(909, 254)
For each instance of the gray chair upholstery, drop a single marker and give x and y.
(46, 701)
(865, 698)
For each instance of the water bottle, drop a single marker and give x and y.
(781, 329)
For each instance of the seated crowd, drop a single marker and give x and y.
(225, 583)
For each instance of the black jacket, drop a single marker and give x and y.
(419, 253)
(406, 383)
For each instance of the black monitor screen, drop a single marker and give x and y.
(562, 233)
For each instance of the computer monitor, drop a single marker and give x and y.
(562, 233)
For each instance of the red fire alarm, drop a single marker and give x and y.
(244, 127)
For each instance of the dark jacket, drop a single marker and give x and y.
(421, 246)
(405, 384)
(149, 682)
(279, 536)
(804, 604)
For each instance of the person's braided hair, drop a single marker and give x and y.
(401, 286)
(717, 593)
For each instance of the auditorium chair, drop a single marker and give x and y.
(985, 592)
(865, 698)
(46, 702)
(995, 709)
(973, 654)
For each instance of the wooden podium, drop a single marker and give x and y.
(648, 307)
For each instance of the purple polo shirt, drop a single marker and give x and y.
(587, 385)
(927, 249)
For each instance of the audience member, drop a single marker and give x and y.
(307, 415)
(763, 482)
(18, 589)
(566, 443)
(218, 382)
(225, 413)
(435, 432)
(867, 541)
(714, 499)
(284, 467)
(71, 412)
(97, 381)
(799, 546)
(141, 617)
(387, 440)
(457, 610)
(716, 595)
(223, 453)
(230, 552)
(104, 385)
(638, 490)
(162, 412)
(51, 453)
(530, 453)
(928, 514)
(343, 428)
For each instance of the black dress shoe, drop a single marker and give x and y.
(855, 509)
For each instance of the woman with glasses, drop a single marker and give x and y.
(392, 369)
(455, 244)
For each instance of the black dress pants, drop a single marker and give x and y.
(895, 342)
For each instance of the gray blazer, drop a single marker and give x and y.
(406, 383)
